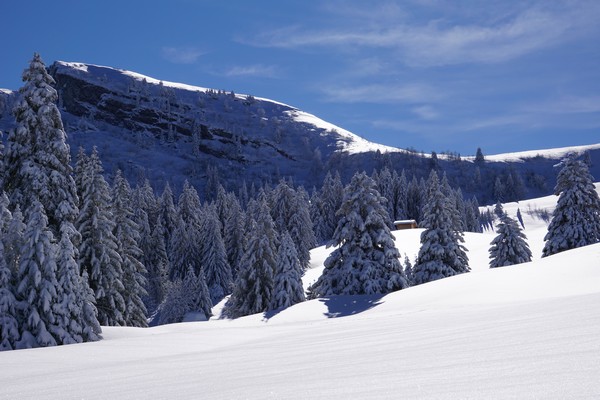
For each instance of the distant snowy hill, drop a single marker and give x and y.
(530, 331)
(171, 132)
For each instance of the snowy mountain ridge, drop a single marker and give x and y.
(171, 132)
(521, 156)
(347, 141)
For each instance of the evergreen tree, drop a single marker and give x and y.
(197, 290)
(167, 214)
(38, 157)
(576, 218)
(234, 235)
(13, 239)
(185, 296)
(78, 311)
(479, 158)
(254, 285)
(186, 244)
(400, 195)
(98, 251)
(127, 233)
(288, 289)
(408, 271)
(324, 207)
(290, 212)
(9, 322)
(366, 261)
(510, 246)
(441, 255)
(214, 258)
(145, 200)
(37, 284)
(175, 306)
(157, 267)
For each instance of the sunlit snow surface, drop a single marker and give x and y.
(556, 153)
(523, 332)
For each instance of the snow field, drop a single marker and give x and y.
(530, 331)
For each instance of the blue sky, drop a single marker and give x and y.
(424, 74)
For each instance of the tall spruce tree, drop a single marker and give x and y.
(127, 233)
(441, 254)
(253, 287)
(38, 288)
(287, 286)
(157, 268)
(366, 261)
(234, 237)
(98, 251)
(213, 259)
(38, 157)
(9, 318)
(576, 218)
(79, 312)
(510, 246)
(9, 322)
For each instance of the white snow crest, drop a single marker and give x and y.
(347, 141)
(520, 156)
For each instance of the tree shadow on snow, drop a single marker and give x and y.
(344, 306)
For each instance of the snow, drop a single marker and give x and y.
(556, 153)
(6, 91)
(529, 331)
(348, 141)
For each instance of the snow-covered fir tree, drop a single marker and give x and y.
(233, 236)
(127, 233)
(9, 318)
(37, 286)
(253, 287)
(98, 251)
(366, 261)
(441, 254)
(576, 218)
(13, 239)
(408, 271)
(510, 246)
(195, 286)
(167, 214)
(186, 244)
(324, 206)
(79, 313)
(38, 157)
(157, 267)
(189, 295)
(290, 212)
(214, 258)
(288, 289)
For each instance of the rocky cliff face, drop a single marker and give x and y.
(240, 136)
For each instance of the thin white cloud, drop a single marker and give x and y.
(439, 42)
(181, 55)
(425, 112)
(569, 104)
(382, 93)
(258, 70)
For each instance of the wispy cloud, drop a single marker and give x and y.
(181, 55)
(570, 104)
(257, 70)
(438, 42)
(382, 93)
(425, 112)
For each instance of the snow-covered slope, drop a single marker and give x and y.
(521, 156)
(530, 331)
